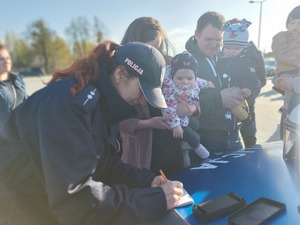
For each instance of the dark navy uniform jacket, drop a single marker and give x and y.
(58, 165)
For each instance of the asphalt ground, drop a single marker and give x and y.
(266, 108)
(267, 115)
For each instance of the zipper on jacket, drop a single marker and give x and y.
(212, 66)
(14, 95)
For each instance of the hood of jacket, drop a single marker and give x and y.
(191, 46)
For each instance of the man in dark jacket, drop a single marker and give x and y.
(218, 127)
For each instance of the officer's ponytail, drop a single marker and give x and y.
(106, 58)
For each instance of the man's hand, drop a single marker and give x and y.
(246, 92)
(231, 97)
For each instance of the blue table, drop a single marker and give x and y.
(252, 173)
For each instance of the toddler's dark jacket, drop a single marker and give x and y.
(240, 72)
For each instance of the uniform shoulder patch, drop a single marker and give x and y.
(252, 70)
(87, 98)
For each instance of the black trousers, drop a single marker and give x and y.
(191, 137)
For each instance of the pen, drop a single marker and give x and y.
(163, 175)
(166, 179)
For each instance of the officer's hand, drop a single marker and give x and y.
(173, 191)
(158, 181)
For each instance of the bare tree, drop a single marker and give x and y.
(41, 38)
(60, 55)
(20, 51)
(79, 35)
(83, 36)
(99, 29)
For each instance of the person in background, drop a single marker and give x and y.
(12, 87)
(219, 129)
(149, 30)
(146, 139)
(236, 64)
(12, 93)
(286, 49)
(136, 132)
(181, 81)
(56, 158)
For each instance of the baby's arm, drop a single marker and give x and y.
(178, 132)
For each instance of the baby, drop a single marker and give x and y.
(238, 67)
(286, 49)
(182, 81)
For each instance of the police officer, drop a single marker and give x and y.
(56, 158)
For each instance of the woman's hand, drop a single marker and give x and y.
(159, 122)
(158, 181)
(172, 189)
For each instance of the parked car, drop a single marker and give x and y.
(32, 71)
(270, 65)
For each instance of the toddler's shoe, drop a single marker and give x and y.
(202, 152)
